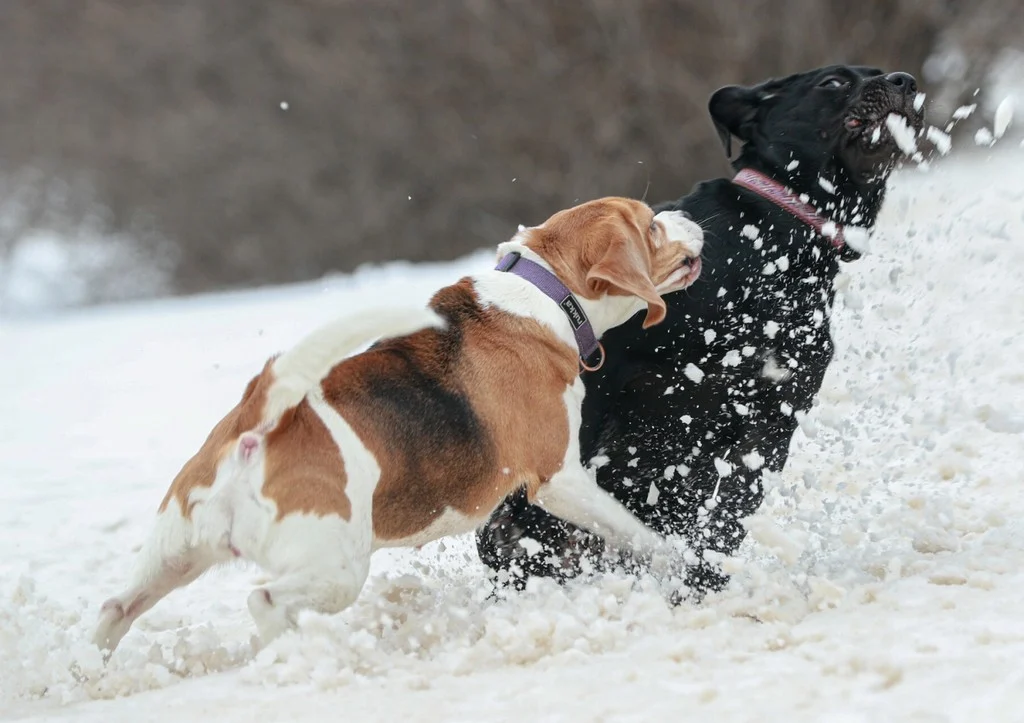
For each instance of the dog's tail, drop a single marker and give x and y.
(302, 367)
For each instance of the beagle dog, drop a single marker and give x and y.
(328, 457)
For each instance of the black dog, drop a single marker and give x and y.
(684, 418)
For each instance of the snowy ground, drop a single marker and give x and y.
(884, 584)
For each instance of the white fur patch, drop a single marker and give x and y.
(680, 229)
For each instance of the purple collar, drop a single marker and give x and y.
(547, 282)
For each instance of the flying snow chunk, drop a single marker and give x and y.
(773, 372)
(750, 231)
(284, 105)
(827, 185)
(709, 336)
(919, 102)
(783, 263)
(1004, 115)
(793, 165)
(753, 460)
(941, 140)
(724, 468)
(531, 546)
(964, 111)
(857, 238)
(902, 133)
(732, 358)
(773, 537)
(769, 269)
(652, 494)
(771, 328)
(983, 137)
(693, 373)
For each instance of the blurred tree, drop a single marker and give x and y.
(277, 141)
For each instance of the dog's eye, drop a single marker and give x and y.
(832, 82)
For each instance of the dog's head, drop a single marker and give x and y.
(618, 247)
(825, 125)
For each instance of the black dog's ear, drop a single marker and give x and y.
(733, 110)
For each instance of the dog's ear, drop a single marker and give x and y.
(625, 267)
(733, 110)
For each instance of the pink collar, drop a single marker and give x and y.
(784, 198)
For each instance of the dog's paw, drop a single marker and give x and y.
(505, 538)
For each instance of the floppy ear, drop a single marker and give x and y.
(625, 267)
(733, 110)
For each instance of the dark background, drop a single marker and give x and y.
(414, 129)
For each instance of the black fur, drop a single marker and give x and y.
(759, 337)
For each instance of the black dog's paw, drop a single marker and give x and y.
(517, 545)
(703, 579)
(505, 536)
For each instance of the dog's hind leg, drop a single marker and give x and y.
(168, 560)
(322, 564)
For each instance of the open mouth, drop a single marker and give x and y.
(683, 276)
(874, 134)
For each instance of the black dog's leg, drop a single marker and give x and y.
(761, 443)
(522, 540)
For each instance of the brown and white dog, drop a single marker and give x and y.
(326, 459)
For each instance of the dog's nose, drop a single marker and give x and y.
(903, 81)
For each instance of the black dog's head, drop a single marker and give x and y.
(823, 132)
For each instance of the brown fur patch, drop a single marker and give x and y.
(457, 417)
(201, 469)
(303, 469)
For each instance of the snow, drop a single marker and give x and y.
(882, 579)
(1003, 117)
(902, 133)
(941, 140)
(964, 111)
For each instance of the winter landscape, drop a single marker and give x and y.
(882, 580)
